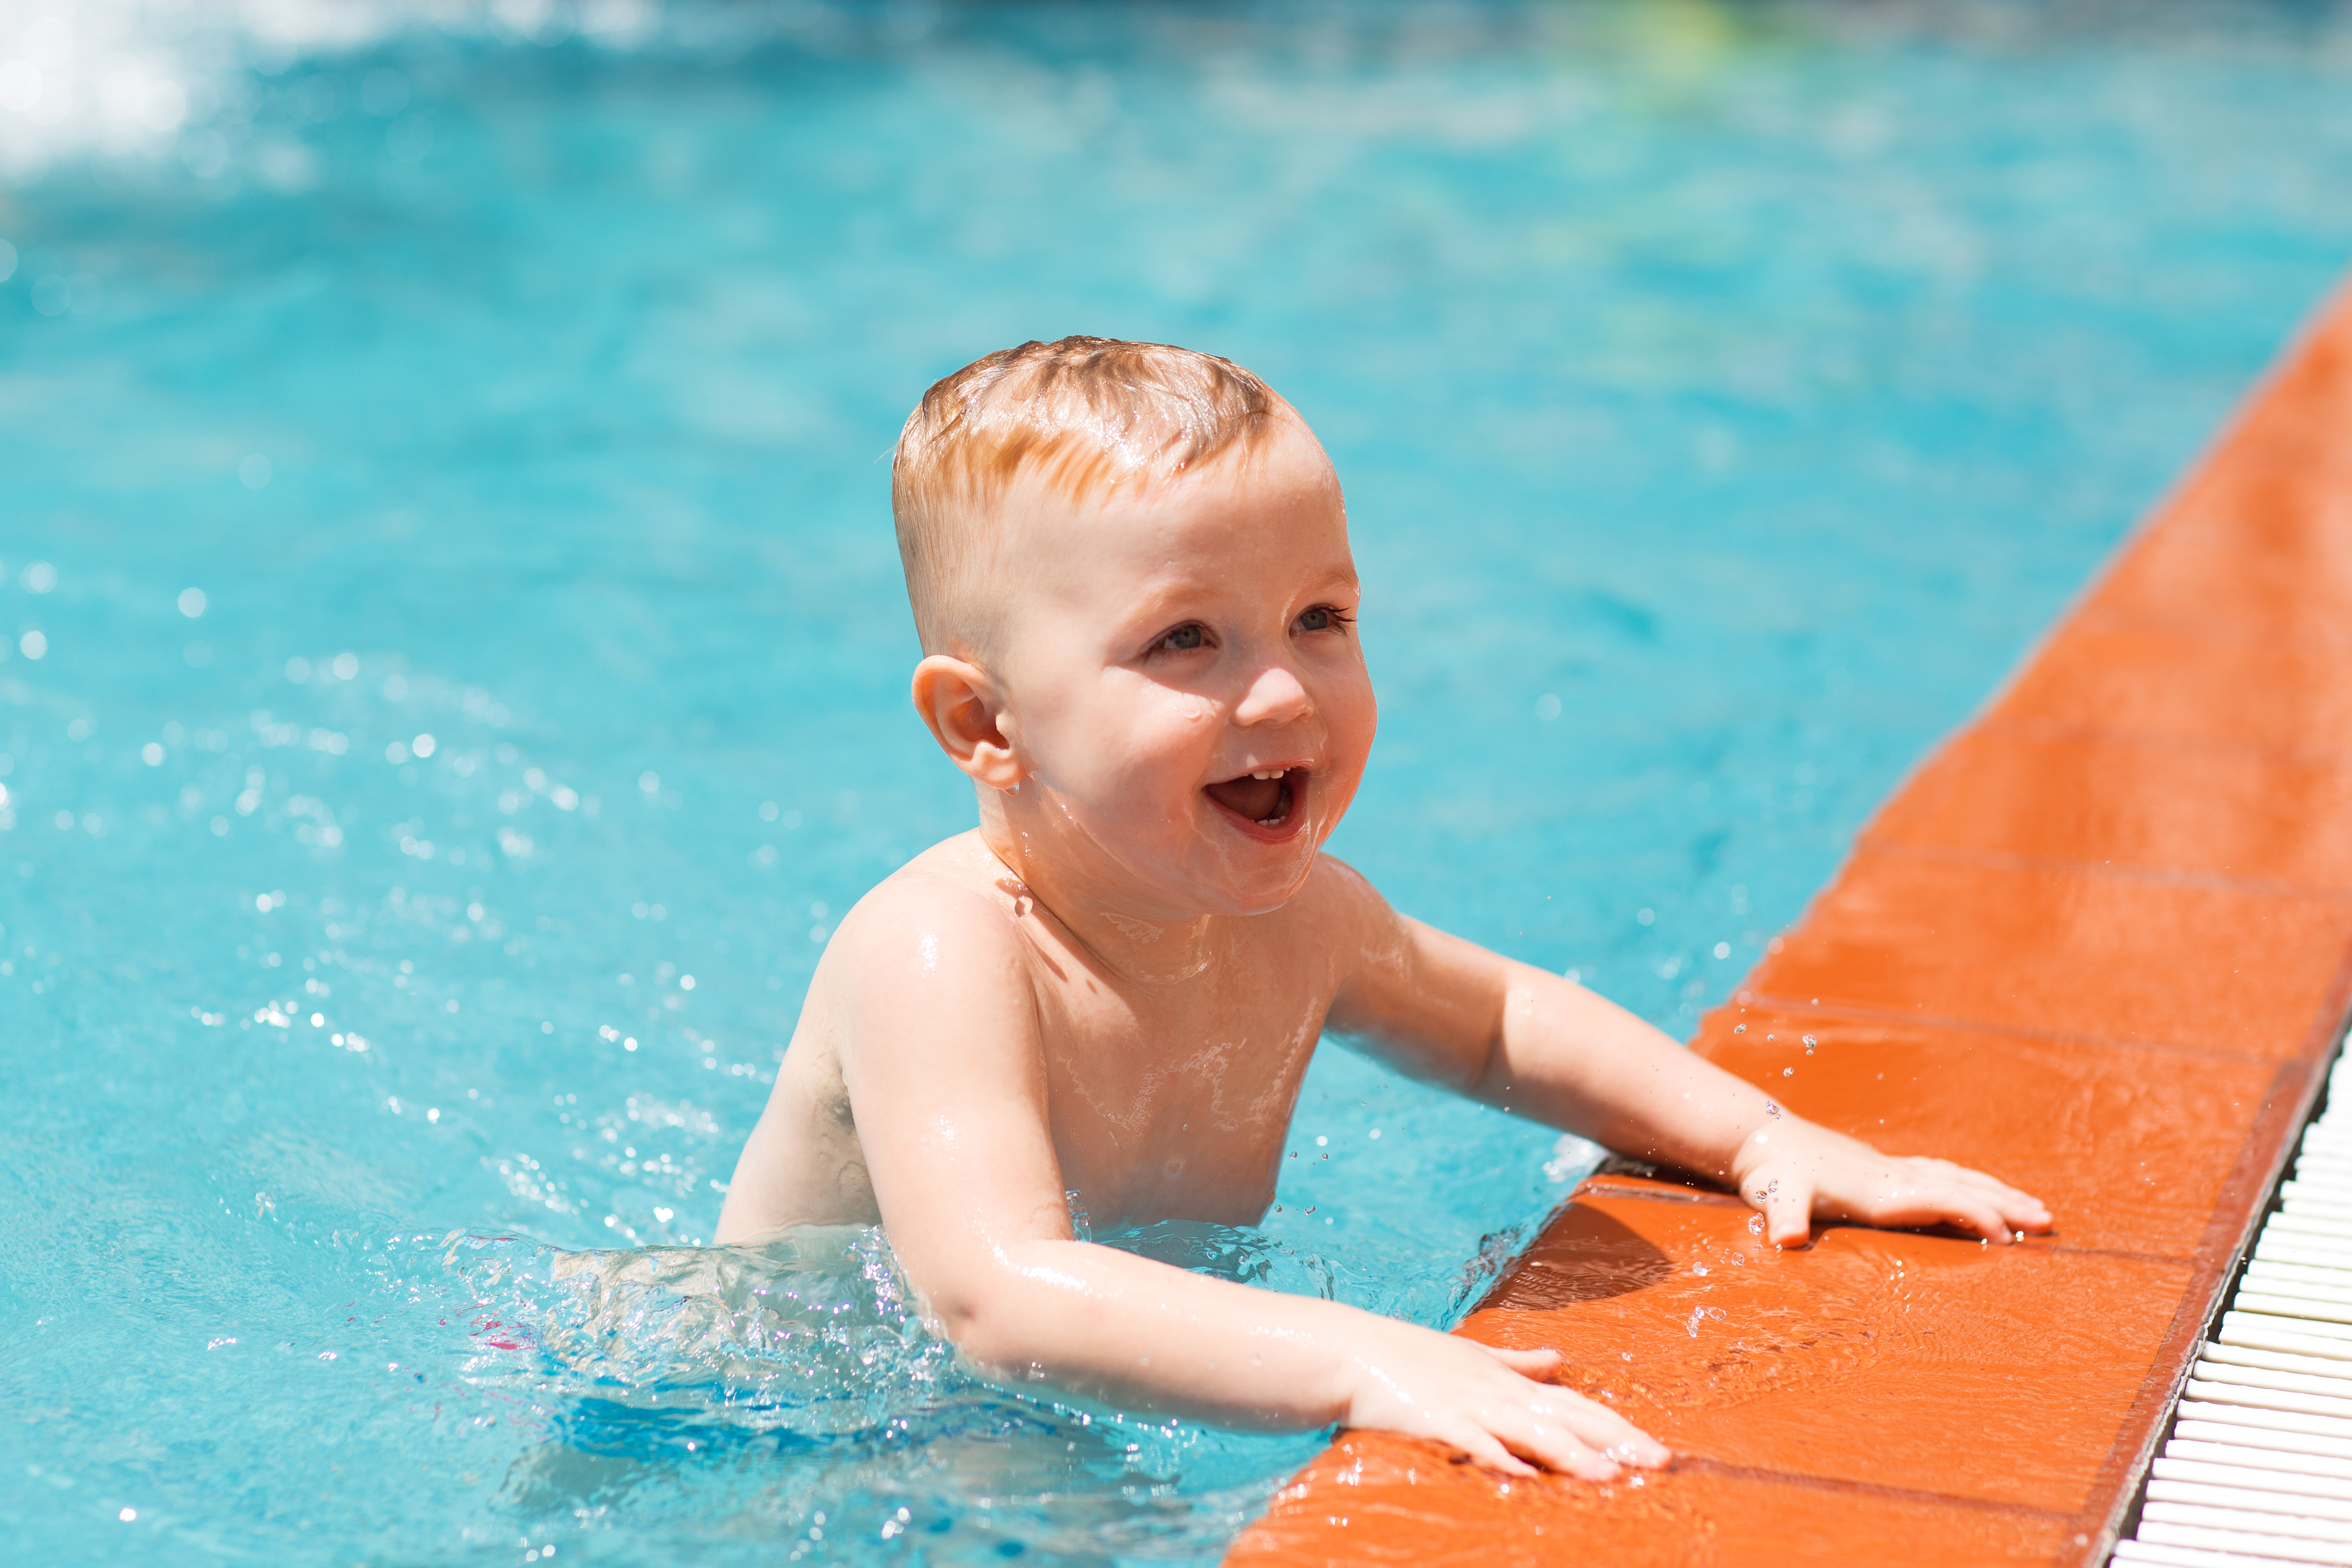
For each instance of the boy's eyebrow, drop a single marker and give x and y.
(1162, 581)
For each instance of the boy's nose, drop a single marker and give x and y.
(1275, 697)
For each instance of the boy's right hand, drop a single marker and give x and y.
(1491, 1405)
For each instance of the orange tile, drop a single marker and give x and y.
(2243, 814)
(1998, 1374)
(1375, 1498)
(2100, 956)
(2130, 1149)
(2259, 542)
(2268, 561)
(2120, 677)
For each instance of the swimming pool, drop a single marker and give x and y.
(1726, 398)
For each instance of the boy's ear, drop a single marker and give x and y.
(963, 708)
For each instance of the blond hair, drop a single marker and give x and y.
(1082, 415)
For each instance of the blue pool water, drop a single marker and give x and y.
(1726, 395)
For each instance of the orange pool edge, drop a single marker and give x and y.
(2099, 944)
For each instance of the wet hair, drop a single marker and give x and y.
(1081, 415)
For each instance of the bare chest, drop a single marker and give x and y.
(1175, 1107)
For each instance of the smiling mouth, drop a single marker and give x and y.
(1268, 799)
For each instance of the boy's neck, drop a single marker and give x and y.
(1146, 946)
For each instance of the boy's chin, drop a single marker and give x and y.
(1260, 889)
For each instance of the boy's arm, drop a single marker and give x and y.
(946, 1075)
(1535, 1044)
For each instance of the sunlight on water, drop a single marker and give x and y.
(452, 658)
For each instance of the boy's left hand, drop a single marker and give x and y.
(1794, 1172)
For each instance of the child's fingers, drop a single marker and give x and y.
(1787, 1206)
(1990, 1183)
(1561, 1429)
(2021, 1208)
(1568, 1432)
(1949, 1203)
(1482, 1447)
(1614, 1438)
(1982, 1218)
(1992, 1209)
(1534, 1363)
(1552, 1444)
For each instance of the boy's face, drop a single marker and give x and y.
(1183, 683)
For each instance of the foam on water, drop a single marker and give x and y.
(454, 659)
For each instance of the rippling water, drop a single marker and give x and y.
(456, 657)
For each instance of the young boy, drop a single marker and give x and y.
(1129, 565)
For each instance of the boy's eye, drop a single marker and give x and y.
(1182, 638)
(1322, 618)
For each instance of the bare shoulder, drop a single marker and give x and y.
(1334, 883)
(1344, 916)
(894, 1020)
(936, 937)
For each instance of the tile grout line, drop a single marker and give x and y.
(1867, 1489)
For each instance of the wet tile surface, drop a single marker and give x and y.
(1375, 1498)
(1838, 1362)
(2098, 945)
(2117, 957)
(2258, 546)
(2129, 678)
(2243, 814)
(2129, 1147)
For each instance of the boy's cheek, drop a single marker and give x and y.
(1351, 737)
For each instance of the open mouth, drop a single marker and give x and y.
(1268, 799)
